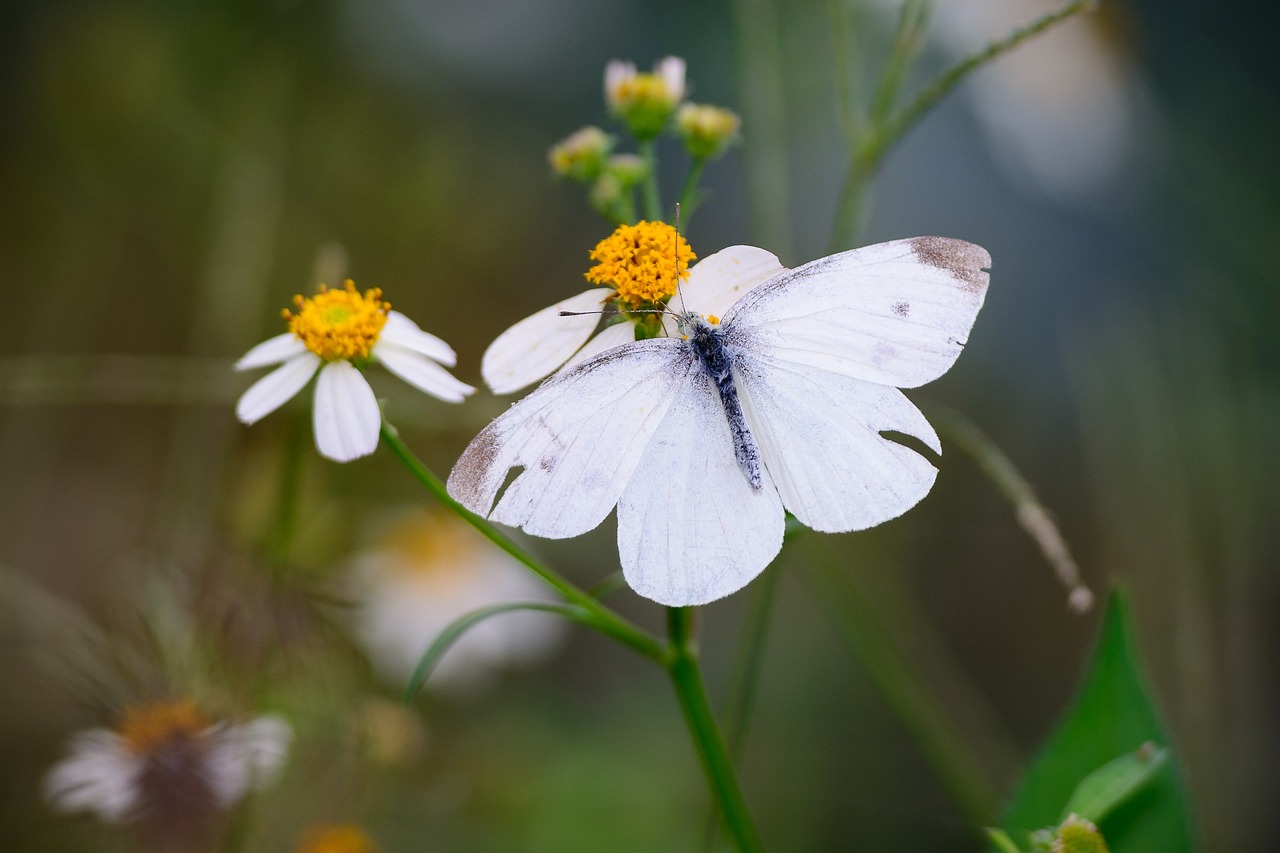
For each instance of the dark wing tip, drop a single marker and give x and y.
(967, 262)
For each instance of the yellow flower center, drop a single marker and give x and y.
(643, 262)
(339, 324)
(146, 727)
(649, 90)
(342, 838)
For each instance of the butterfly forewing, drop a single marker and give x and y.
(578, 437)
(896, 313)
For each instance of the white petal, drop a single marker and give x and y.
(346, 415)
(402, 331)
(615, 74)
(612, 336)
(272, 351)
(421, 372)
(671, 70)
(245, 756)
(100, 775)
(717, 281)
(536, 346)
(277, 387)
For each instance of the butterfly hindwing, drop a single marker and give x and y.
(691, 529)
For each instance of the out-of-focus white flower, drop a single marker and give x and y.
(337, 333)
(166, 762)
(1060, 111)
(426, 570)
(639, 266)
(644, 102)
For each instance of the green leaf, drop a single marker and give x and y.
(1114, 782)
(455, 629)
(1002, 841)
(1112, 717)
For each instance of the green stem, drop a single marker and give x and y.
(688, 192)
(869, 149)
(906, 44)
(951, 78)
(682, 664)
(285, 523)
(602, 618)
(907, 694)
(649, 188)
(746, 677)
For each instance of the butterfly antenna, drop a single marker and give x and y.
(676, 249)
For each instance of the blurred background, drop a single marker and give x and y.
(173, 173)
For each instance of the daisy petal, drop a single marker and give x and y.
(346, 415)
(612, 336)
(245, 756)
(421, 372)
(100, 775)
(272, 351)
(276, 388)
(536, 346)
(717, 281)
(402, 331)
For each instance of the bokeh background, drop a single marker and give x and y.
(173, 173)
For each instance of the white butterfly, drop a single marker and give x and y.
(703, 440)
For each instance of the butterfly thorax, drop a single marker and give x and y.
(716, 359)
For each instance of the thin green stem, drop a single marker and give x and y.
(602, 618)
(746, 677)
(649, 187)
(689, 192)
(911, 699)
(885, 129)
(686, 677)
(906, 44)
(285, 523)
(848, 69)
(951, 78)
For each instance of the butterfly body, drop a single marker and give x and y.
(716, 358)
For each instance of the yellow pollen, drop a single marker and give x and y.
(713, 319)
(145, 727)
(642, 262)
(339, 324)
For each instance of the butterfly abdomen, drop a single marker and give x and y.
(717, 362)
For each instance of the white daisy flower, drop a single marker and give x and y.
(166, 762)
(639, 266)
(427, 569)
(337, 333)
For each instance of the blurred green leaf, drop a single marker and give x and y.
(1114, 782)
(1112, 716)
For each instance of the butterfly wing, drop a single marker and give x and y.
(895, 313)
(818, 351)
(691, 529)
(578, 438)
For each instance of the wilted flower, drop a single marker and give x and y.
(581, 155)
(706, 130)
(644, 102)
(167, 766)
(426, 570)
(337, 333)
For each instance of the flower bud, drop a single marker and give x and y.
(1077, 835)
(644, 102)
(629, 169)
(581, 155)
(706, 130)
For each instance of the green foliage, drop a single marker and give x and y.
(1097, 759)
